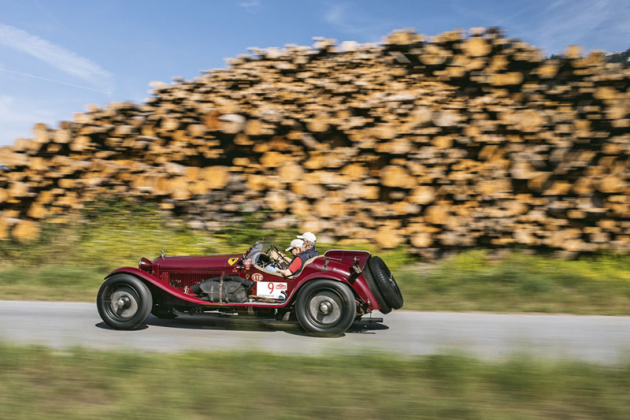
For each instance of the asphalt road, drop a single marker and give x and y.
(599, 339)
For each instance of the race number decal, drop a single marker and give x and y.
(270, 290)
(257, 277)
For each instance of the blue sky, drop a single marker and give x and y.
(57, 56)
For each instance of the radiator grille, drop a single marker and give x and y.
(181, 280)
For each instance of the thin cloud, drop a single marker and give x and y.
(46, 12)
(251, 6)
(356, 23)
(561, 22)
(56, 56)
(336, 14)
(17, 117)
(59, 82)
(583, 21)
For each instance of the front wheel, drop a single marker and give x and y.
(124, 302)
(325, 308)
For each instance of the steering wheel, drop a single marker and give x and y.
(275, 249)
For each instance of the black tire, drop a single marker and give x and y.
(382, 303)
(124, 302)
(325, 308)
(385, 282)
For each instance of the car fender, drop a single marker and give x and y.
(154, 281)
(359, 289)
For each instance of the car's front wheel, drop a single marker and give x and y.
(124, 302)
(325, 308)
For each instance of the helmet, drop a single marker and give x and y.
(296, 243)
(308, 237)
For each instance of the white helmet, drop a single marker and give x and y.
(308, 237)
(296, 243)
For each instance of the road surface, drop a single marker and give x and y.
(600, 339)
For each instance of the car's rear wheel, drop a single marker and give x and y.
(325, 308)
(124, 302)
(385, 282)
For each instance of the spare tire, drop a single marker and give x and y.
(385, 282)
(382, 303)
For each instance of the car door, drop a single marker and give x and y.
(270, 285)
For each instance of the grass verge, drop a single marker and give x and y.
(37, 382)
(473, 281)
(50, 282)
(69, 262)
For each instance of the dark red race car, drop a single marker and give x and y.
(326, 296)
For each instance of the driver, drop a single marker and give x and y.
(296, 247)
(306, 253)
(283, 261)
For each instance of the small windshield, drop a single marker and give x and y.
(254, 253)
(264, 255)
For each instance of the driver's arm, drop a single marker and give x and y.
(293, 268)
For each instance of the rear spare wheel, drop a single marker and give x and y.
(385, 282)
(382, 303)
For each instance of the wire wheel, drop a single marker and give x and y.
(325, 308)
(124, 302)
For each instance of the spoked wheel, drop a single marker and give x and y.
(124, 302)
(325, 308)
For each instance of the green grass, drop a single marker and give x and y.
(520, 283)
(37, 382)
(69, 262)
(51, 283)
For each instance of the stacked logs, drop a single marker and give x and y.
(445, 142)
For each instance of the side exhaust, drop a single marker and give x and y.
(370, 320)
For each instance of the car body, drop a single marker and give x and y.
(325, 296)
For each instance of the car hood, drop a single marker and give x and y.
(197, 262)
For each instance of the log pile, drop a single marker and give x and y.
(451, 141)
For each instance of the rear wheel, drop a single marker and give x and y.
(124, 302)
(325, 308)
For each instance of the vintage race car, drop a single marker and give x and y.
(326, 296)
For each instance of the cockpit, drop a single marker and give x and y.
(265, 256)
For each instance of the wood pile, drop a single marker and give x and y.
(457, 140)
